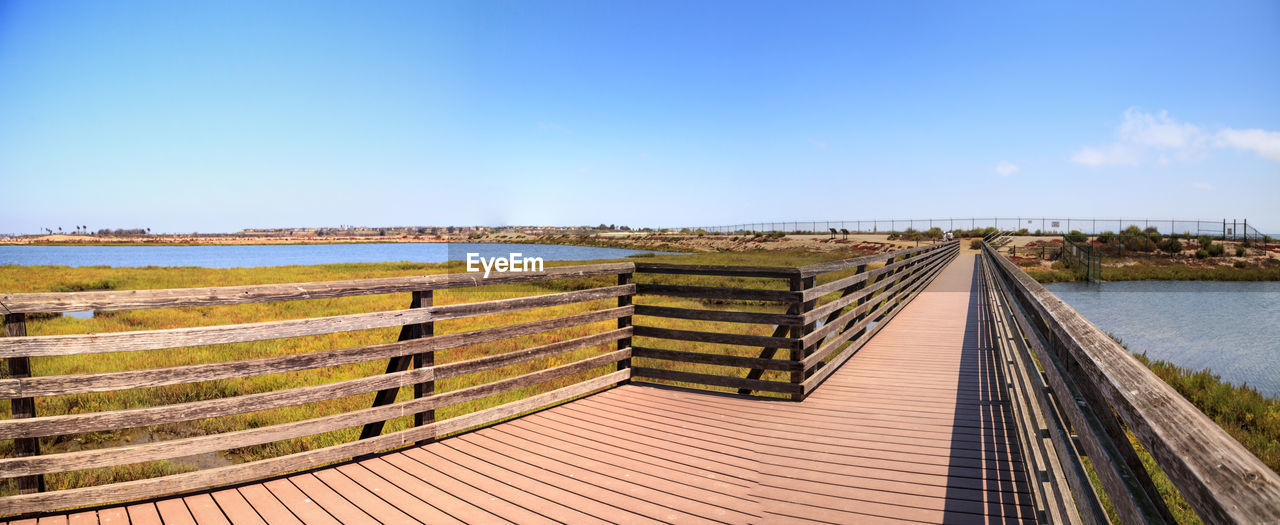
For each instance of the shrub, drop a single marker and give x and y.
(1076, 236)
(1239, 251)
(975, 244)
(776, 235)
(1106, 237)
(1139, 244)
(1204, 241)
(1022, 232)
(1216, 250)
(1240, 264)
(1201, 253)
(1170, 245)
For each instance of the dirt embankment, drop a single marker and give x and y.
(667, 242)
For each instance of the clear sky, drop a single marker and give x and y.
(216, 116)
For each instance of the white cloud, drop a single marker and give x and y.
(1265, 144)
(1202, 186)
(1113, 154)
(1158, 131)
(1006, 168)
(1146, 137)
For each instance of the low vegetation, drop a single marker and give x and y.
(1157, 269)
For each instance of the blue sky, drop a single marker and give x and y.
(224, 115)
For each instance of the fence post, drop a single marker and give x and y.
(800, 284)
(625, 321)
(424, 299)
(15, 325)
(387, 396)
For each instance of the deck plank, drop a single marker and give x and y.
(267, 505)
(144, 514)
(205, 510)
(237, 509)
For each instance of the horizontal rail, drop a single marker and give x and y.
(228, 295)
(52, 345)
(88, 459)
(844, 264)
(715, 380)
(138, 417)
(220, 476)
(717, 292)
(716, 337)
(843, 302)
(1221, 479)
(714, 359)
(104, 382)
(720, 315)
(842, 283)
(719, 270)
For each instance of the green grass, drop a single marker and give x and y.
(1251, 418)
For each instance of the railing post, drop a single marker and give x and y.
(387, 396)
(800, 284)
(625, 321)
(424, 299)
(15, 325)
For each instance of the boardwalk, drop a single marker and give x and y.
(913, 428)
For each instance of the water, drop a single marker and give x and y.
(1231, 328)
(295, 254)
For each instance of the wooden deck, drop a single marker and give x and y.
(912, 428)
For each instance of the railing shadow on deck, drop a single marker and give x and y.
(582, 355)
(1001, 479)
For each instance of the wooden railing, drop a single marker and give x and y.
(410, 362)
(1081, 394)
(827, 312)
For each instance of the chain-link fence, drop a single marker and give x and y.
(1236, 229)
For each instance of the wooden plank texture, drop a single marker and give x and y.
(183, 297)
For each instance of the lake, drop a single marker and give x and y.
(1231, 328)
(293, 254)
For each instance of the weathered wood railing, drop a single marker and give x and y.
(1083, 394)
(830, 309)
(417, 346)
(828, 313)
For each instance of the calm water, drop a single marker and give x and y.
(1230, 328)
(281, 255)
